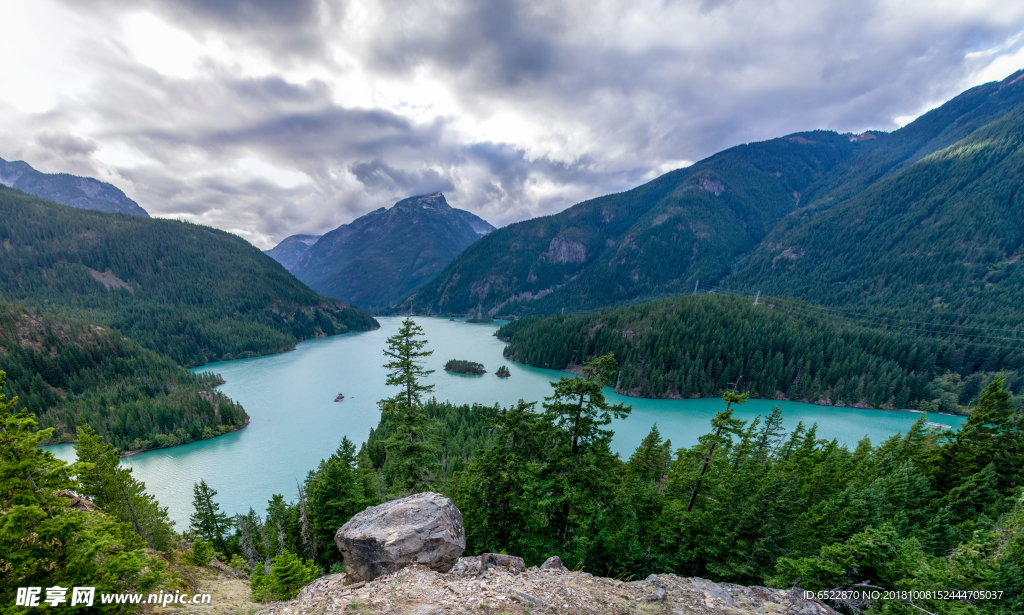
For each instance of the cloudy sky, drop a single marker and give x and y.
(268, 118)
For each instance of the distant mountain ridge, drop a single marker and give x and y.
(804, 215)
(381, 257)
(291, 249)
(70, 190)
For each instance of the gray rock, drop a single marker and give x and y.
(527, 598)
(713, 592)
(425, 528)
(509, 563)
(553, 563)
(659, 595)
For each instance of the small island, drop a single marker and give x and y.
(470, 368)
(502, 372)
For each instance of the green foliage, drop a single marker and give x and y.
(461, 430)
(464, 367)
(411, 461)
(207, 522)
(754, 504)
(238, 563)
(934, 246)
(503, 372)
(287, 575)
(191, 293)
(112, 487)
(71, 375)
(43, 542)
(335, 491)
(201, 554)
(698, 346)
(497, 489)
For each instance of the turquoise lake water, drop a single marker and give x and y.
(295, 422)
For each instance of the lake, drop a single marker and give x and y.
(295, 421)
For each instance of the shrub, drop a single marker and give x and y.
(201, 553)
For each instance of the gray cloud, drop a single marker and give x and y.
(608, 96)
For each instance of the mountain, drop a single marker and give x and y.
(805, 214)
(71, 190)
(70, 374)
(381, 257)
(192, 293)
(939, 241)
(291, 249)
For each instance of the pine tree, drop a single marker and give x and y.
(495, 492)
(334, 493)
(207, 521)
(43, 542)
(723, 421)
(411, 459)
(993, 434)
(112, 487)
(579, 474)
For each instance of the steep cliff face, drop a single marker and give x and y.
(71, 190)
(383, 256)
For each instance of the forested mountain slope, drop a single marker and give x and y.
(938, 242)
(192, 293)
(71, 190)
(70, 374)
(724, 221)
(699, 346)
(381, 257)
(662, 237)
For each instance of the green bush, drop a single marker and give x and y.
(201, 553)
(288, 574)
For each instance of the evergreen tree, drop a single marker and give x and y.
(112, 487)
(411, 459)
(579, 474)
(207, 522)
(334, 493)
(43, 542)
(993, 434)
(723, 421)
(496, 491)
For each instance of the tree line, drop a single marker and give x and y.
(70, 374)
(699, 346)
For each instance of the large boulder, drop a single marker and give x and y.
(425, 528)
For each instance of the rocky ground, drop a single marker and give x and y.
(229, 592)
(466, 589)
